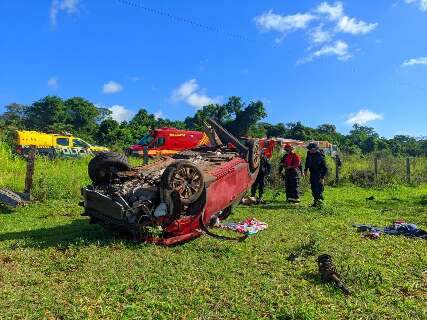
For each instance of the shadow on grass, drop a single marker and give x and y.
(304, 250)
(315, 279)
(280, 205)
(423, 200)
(312, 277)
(5, 210)
(78, 232)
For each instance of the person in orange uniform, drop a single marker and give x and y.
(291, 164)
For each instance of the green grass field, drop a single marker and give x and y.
(54, 265)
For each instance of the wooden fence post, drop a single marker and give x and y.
(145, 155)
(30, 172)
(337, 169)
(408, 170)
(376, 167)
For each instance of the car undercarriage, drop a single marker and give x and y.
(172, 199)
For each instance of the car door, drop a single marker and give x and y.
(63, 146)
(79, 148)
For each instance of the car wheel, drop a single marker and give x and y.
(104, 165)
(254, 155)
(186, 179)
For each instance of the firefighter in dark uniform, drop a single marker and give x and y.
(316, 164)
(291, 163)
(264, 171)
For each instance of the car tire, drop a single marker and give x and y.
(186, 178)
(104, 165)
(254, 156)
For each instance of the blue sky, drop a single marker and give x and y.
(355, 61)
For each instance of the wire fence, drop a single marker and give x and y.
(365, 171)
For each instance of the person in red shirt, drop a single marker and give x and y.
(291, 164)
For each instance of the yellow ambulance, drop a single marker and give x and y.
(54, 145)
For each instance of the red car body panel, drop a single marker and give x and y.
(232, 180)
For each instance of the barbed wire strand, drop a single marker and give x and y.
(180, 19)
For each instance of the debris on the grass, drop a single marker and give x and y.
(399, 227)
(249, 201)
(374, 234)
(250, 226)
(328, 272)
(13, 199)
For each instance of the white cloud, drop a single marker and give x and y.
(334, 12)
(158, 115)
(121, 113)
(112, 87)
(345, 24)
(319, 35)
(422, 4)
(271, 21)
(199, 100)
(362, 117)
(185, 89)
(70, 7)
(339, 48)
(324, 23)
(190, 93)
(53, 83)
(415, 61)
(354, 26)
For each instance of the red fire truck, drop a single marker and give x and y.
(168, 141)
(268, 145)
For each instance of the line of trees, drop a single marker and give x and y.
(94, 124)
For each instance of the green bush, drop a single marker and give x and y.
(363, 178)
(360, 170)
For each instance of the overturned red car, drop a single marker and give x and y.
(172, 199)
